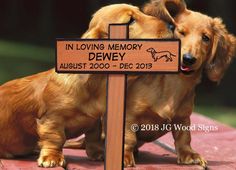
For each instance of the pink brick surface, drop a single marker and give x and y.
(218, 147)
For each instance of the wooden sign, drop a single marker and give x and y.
(115, 110)
(117, 55)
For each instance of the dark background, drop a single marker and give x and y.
(28, 29)
(40, 21)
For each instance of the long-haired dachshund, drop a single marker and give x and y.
(169, 99)
(160, 99)
(47, 108)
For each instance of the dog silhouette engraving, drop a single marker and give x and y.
(161, 54)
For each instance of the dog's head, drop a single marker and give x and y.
(151, 50)
(122, 14)
(205, 40)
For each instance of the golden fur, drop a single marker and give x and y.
(161, 99)
(48, 108)
(167, 98)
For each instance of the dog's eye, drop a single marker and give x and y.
(182, 33)
(131, 21)
(205, 38)
(171, 27)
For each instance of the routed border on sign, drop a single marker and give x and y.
(139, 56)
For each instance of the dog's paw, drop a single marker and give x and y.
(95, 152)
(96, 156)
(187, 157)
(49, 159)
(129, 159)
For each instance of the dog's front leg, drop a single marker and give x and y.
(95, 142)
(186, 155)
(51, 140)
(130, 144)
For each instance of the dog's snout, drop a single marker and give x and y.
(188, 59)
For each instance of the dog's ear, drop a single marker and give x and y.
(222, 52)
(91, 33)
(166, 10)
(117, 13)
(95, 32)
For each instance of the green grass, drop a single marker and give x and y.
(26, 51)
(19, 60)
(222, 114)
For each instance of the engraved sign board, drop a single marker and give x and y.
(117, 56)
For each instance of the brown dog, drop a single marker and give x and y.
(48, 108)
(161, 99)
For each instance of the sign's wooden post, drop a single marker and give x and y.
(115, 109)
(117, 56)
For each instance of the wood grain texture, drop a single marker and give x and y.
(120, 56)
(115, 111)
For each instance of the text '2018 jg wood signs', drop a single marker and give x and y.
(116, 56)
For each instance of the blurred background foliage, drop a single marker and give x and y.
(29, 28)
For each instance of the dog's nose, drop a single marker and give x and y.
(188, 59)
